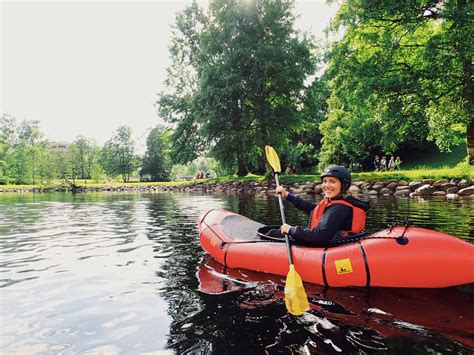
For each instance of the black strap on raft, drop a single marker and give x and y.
(272, 233)
(323, 265)
(402, 240)
(367, 271)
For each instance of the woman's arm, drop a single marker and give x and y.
(299, 203)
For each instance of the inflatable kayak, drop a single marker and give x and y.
(396, 257)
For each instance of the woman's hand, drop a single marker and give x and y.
(285, 228)
(281, 189)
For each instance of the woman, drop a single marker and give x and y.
(338, 215)
(398, 161)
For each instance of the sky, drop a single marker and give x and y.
(87, 67)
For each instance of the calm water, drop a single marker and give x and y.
(124, 273)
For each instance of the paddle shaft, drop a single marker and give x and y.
(283, 219)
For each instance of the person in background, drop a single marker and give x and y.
(377, 163)
(383, 163)
(398, 161)
(338, 215)
(391, 163)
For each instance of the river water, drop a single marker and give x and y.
(124, 273)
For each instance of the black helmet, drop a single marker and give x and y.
(339, 172)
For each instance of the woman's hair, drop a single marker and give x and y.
(348, 193)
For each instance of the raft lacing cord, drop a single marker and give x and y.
(401, 239)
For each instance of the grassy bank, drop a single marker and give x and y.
(460, 171)
(408, 175)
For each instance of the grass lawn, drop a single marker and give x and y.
(432, 158)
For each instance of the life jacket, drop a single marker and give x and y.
(358, 215)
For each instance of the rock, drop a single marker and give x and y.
(463, 184)
(452, 196)
(414, 185)
(373, 193)
(455, 180)
(399, 188)
(358, 183)
(296, 191)
(318, 188)
(386, 191)
(438, 183)
(392, 185)
(439, 193)
(377, 187)
(425, 190)
(468, 191)
(355, 189)
(403, 183)
(404, 192)
(452, 190)
(446, 186)
(427, 181)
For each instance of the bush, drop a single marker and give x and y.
(5, 180)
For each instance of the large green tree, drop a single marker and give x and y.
(84, 152)
(156, 162)
(402, 72)
(23, 151)
(176, 101)
(117, 156)
(249, 88)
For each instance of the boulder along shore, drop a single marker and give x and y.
(449, 189)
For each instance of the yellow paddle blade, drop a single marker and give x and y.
(272, 158)
(295, 296)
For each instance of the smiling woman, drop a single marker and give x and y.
(338, 215)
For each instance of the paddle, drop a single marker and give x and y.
(295, 296)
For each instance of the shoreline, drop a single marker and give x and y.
(448, 189)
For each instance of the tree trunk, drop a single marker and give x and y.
(242, 169)
(470, 142)
(467, 93)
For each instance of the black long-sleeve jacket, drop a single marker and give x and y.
(335, 219)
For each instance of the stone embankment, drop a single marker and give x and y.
(446, 189)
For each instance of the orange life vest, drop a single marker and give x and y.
(358, 215)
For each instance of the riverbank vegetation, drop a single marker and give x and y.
(463, 171)
(396, 82)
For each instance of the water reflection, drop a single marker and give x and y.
(116, 272)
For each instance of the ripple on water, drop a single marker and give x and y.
(116, 273)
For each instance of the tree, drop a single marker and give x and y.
(401, 73)
(84, 152)
(156, 162)
(117, 155)
(251, 68)
(7, 139)
(176, 102)
(22, 147)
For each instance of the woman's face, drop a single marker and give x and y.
(332, 187)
